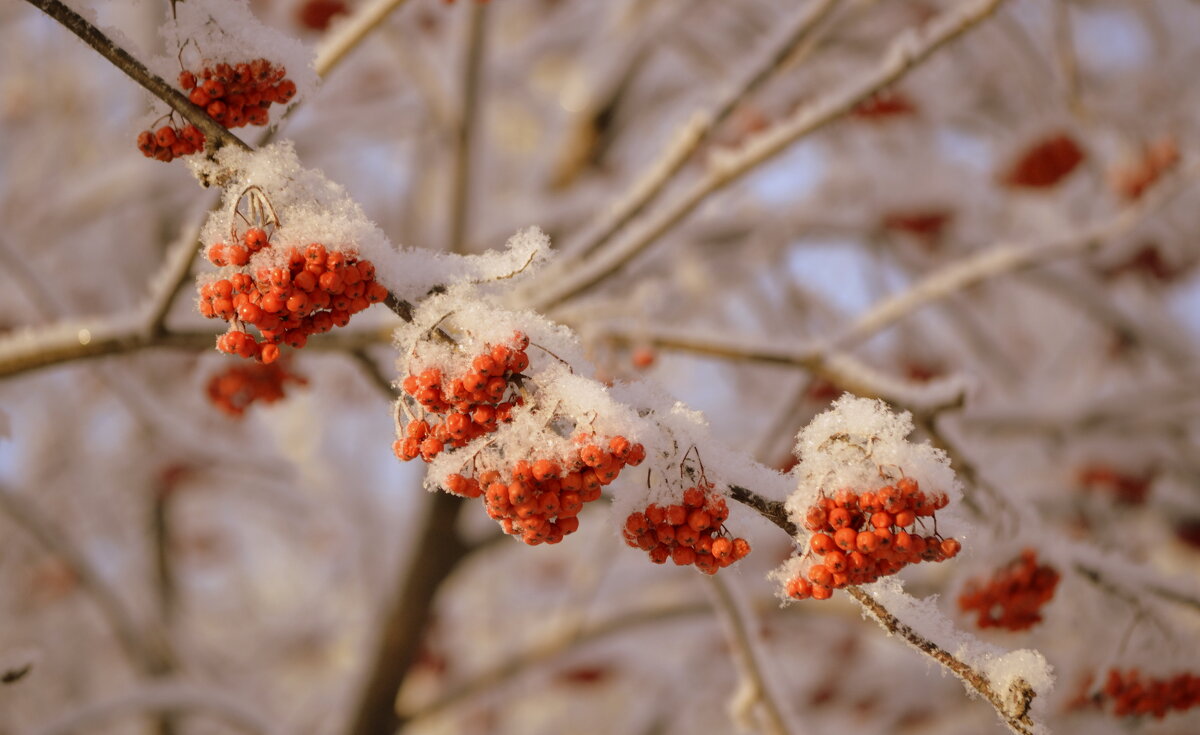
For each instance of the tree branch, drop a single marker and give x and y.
(216, 135)
(688, 139)
(1013, 706)
(464, 129)
(905, 53)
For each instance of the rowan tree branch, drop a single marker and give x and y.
(689, 138)
(349, 33)
(216, 136)
(1012, 706)
(904, 54)
(475, 50)
(1006, 258)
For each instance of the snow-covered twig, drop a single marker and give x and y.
(842, 369)
(1007, 258)
(216, 135)
(688, 139)
(756, 695)
(350, 32)
(904, 54)
(1012, 706)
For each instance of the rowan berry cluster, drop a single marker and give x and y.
(1044, 163)
(459, 409)
(234, 389)
(317, 290)
(539, 500)
(170, 142)
(1013, 597)
(862, 537)
(234, 95)
(1134, 695)
(688, 532)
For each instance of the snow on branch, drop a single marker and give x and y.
(905, 53)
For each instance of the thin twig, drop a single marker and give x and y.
(349, 33)
(145, 645)
(549, 649)
(759, 692)
(216, 135)
(1012, 706)
(904, 54)
(689, 138)
(1006, 258)
(839, 368)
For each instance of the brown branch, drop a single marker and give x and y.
(436, 555)
(464, 129)
(216, 135)
(1012, 706)
(772, 510)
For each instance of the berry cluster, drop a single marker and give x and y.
(315, 291)
(688, 532)
(234, 95)
(462, 408)
(1045, 163)
(540, 500)
(170, 142)
(1134, 695)
(234, 389)
(1014, 595)
(862, 537)
(1125, 487)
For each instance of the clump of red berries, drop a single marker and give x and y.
(460, 408)
(539, 500)
(170, 142)
(1013, 598)
(234, 95)
(1044, 163)
(862, 537)
(234, 389)
(688, 532)
(1134, 695)
(316, 290)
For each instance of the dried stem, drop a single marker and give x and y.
(905, 53)
(1012, 706)
(217, 136)
(688, 139)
